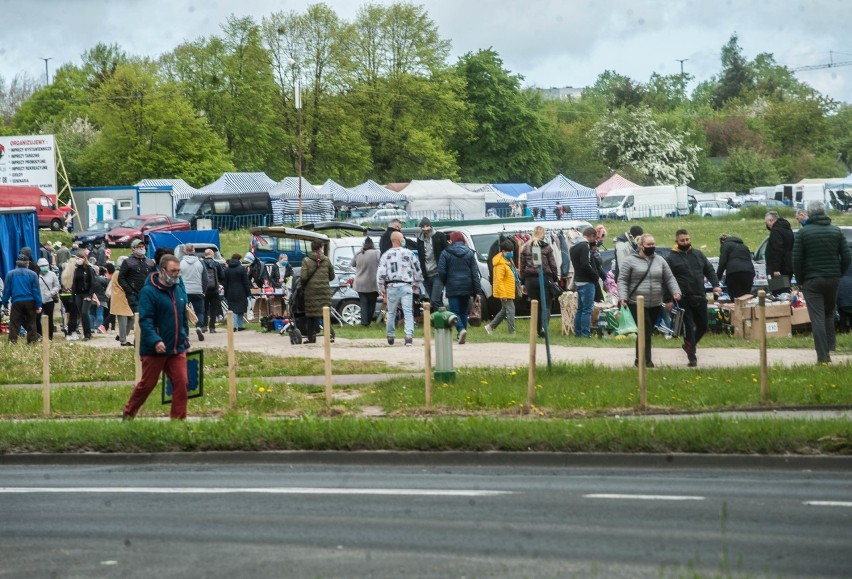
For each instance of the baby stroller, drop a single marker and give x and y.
(296, 326)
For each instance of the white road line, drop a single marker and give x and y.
(646, 497)
(828, 503)
(271, 491)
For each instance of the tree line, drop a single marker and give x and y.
(380, 100)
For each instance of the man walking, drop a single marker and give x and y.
(690, 267)
(460, 275)
(195, 281)
(21, 289)
(133, 274)
(779, 249)
(397, 277)
(430, 245)
(165, 338)
(587, 275)
(820, 258)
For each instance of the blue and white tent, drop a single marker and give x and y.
(377, 194)
(582, 200)
(342, 195)
(240, 183)
(180, 188)
(517, 190)
(316, 205)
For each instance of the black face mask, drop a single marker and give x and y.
(684, 247)
(649, 251)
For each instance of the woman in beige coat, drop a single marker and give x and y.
(119, 307)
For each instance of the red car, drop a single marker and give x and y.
(140, 226)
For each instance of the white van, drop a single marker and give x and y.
(642, 202)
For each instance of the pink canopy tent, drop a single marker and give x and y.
(614, 182)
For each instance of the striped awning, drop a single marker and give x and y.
(288, 188)
(240, 183)
(377, 194)
(582, 200)
(340, 194)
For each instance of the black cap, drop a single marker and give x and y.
(425, 222)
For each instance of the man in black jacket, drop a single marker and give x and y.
(215, 273)
(779, 249)
(430, 245)
(133, 273)
(587, 274)
(690, 267)
(385, 240)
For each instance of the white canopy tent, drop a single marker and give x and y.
(443, 199)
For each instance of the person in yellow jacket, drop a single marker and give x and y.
(506, 281)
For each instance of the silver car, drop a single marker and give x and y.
(714, 209)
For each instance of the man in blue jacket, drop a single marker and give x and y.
(459, 273)
(21, 288)
(164, 338)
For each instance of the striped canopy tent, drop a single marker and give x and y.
(342, 195)
(375, 193)
(180, 188)
(316, 205)
(616, 181)
(239, 183)
(582, 200)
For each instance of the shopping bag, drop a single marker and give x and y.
(191, 317)
(474, 318)
(775, 284)
(626, 323)
(677, 321)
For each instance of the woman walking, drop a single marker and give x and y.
(505, 281)
(366, 264)
(48, 283)
(237, 290)
(119, 307)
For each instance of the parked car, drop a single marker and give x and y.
(382, 216)
(96, 232)
(770, 204)
(200, 248)
(715, 209)
(140, 226)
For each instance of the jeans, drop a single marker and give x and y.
(460, 306)
(507, 312)
(585, 305)
(821, 299)
(125, 326)
(197, 302)
(400, 294)
(238, 320)
(96, 316)
(694, 322)
(367, 301)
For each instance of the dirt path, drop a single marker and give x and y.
(491, 354)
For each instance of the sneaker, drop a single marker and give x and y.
(462, 336)
(117, 337)
(390, 340)
(693, 362)
(409, 341)
(72, 338)
(200, 334)
(102, 329)
(130, 344)
(488, 329)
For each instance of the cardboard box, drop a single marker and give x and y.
(800, 317)
(775, 310)
(775, 328)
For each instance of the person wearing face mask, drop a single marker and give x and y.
(48, 283)
(644, 274)
(133, 274)
(316, 274)
(22, 297)
(82, 289)
(690, 267)
(164, 338)
(587, 276)
(505, 283)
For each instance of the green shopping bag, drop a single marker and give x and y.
(626, 323)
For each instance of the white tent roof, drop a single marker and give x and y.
(492, 194)
(441, 196)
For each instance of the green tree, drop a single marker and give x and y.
(747, 168)
(73, 138)
(13, 95)
(511, 142)
(66, 97)
(149, 130)
(840, 130)
(737, 77)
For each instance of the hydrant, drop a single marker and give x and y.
(444, 321)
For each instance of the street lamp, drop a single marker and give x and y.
(297, 100)
(46, 75)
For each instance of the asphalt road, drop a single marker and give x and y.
(297, 520)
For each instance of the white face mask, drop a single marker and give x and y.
(139, 252)
(168, 280)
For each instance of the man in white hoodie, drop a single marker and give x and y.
(195, 280)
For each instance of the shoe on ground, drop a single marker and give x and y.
(200, 334)
(693, 362)
(409, 341)
(212, 330)
(488, 329)
(72, 338)
(127, 344)
(390, 340)
(462, 336)
(102, 329)
(647, 364)
(117, 337)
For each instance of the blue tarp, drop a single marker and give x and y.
(18, 228)
(172, 239)
(513, 189)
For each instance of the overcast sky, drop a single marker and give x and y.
(551, 43)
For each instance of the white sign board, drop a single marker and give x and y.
(29, 161)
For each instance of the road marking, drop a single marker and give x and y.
(270, 491)
(828, 503)
(646, 497)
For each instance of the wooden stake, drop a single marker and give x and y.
(427, 350)
(326, 335)
(761, 320)
(45, 364)
(232, 363)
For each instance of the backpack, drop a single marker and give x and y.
(212, 276)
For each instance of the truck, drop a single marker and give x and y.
(641, 202)
(799, 195)
(140, 226)
(49, 216)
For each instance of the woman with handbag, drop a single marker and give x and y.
(528, 273)
(641, 274)
(49, 285)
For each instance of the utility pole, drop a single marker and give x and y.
(46, 75)
(681, 61)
